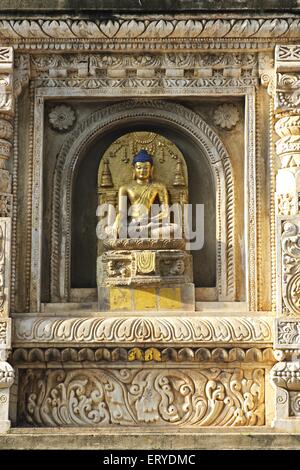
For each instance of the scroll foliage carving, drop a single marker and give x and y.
(288, 333)
(210, 397)
(290, 242)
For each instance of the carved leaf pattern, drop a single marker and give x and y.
(288, 332)
(210, 397)
(152, 28)
(134, 329)
(290, 242)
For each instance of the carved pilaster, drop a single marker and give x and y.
(286, 373)
(285, 376)
(6, 128)
(287, 127)
(6, 147)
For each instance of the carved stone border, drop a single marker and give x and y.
(42, 357)
(53, 33)
(136, 330)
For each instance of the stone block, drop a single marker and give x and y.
(156, 299)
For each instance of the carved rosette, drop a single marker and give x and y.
(5, 234)
(226, 116)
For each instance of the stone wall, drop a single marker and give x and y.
(225, 89)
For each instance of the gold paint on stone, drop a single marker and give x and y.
(145, 261)
(145, 299)
(170, 298)
(152, 354)
(135, 354)
(120, 299)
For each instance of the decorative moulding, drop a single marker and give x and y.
(149, 28)
(143, 330)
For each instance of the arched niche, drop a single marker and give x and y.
(73, 243)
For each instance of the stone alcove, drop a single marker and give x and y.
(201, 191)
(73, 238)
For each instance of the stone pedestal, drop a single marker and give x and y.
(285, 375)
(154, 299)
(145, 275)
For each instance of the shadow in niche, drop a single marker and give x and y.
(84, 204)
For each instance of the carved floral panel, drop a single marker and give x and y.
(207, 397)
(290, 277)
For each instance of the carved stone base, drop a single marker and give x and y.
(141, 267)
(156, 299)
(285, 376)
(145, 274)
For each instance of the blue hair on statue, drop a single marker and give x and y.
(142, 156)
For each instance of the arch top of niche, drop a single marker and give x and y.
(177, 117)
(166, 155)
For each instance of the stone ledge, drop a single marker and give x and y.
(142, 6)
(103, 439)
(121, 329)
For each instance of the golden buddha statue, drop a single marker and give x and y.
(145, 197)
(142, 261)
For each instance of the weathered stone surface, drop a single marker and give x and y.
(128, 397)
(144, 329)
(74, 80)
(142, 6)
(72, 439)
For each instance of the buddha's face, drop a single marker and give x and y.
(143, 170)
